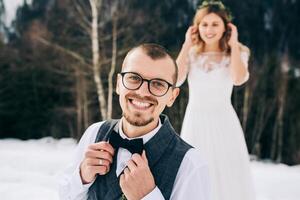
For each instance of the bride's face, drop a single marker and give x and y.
(211, 28)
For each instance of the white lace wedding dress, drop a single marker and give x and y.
(211, 124)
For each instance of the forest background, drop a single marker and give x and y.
(59, 60)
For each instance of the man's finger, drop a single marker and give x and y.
(138, 160)
(103, 146)
(98, 169)
(99, 154)
(126, 173)
(131, 165)
(144, 156)
(122, 180)
(97, 162)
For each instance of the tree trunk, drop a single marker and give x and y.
(246, 107)
(82, 119)
(78, 104)
(276, 150)
(96, 65)
(86, 121)
(113, 64)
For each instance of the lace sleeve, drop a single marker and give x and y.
(192, 56)
(245, 58)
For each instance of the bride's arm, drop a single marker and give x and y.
(182, 62)
(182, 59)
(238, 67)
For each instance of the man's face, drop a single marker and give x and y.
(139, 106)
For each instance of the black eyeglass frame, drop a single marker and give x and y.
(148, 81)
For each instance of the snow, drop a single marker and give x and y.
(276, 181)
(29, 170)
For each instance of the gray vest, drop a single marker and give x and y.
(165, 151)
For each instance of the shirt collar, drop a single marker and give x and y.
(145, 137)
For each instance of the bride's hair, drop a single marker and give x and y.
(219, 9)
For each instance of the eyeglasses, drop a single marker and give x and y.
(133, 81)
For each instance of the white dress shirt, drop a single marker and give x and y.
(191, 182)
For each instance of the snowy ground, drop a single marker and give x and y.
(29, 171)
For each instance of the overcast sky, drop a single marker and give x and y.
(10, 9)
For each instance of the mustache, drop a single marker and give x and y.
(145, 98)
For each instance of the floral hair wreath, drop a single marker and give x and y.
(218, 3)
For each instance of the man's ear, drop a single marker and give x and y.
(117, 85)
(175, 94)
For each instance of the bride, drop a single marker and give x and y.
(215, 61)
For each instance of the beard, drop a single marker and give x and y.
(136, 119)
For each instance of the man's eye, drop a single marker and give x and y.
(158, 84)
(134, 78)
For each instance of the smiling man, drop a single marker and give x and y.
(139, 156)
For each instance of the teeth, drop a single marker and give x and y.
(140, 104)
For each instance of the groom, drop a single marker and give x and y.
(139, 156)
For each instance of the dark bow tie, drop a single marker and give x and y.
(134, 145)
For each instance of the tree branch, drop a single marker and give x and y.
(64, 50)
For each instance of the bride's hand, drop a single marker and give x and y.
(233, 40)
(190, 36)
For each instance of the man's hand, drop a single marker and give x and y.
(137, 180)
(97, 160)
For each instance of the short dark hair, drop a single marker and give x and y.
(155, 52)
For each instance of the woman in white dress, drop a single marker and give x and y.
(214, 61)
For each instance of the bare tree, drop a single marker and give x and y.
(92, 24)
(2, 8)
(277, 138)
(95, 5)
(263, 107)
(113, 59)
(87, 17)
(82, 102)
(246, 106)
(2, 12)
